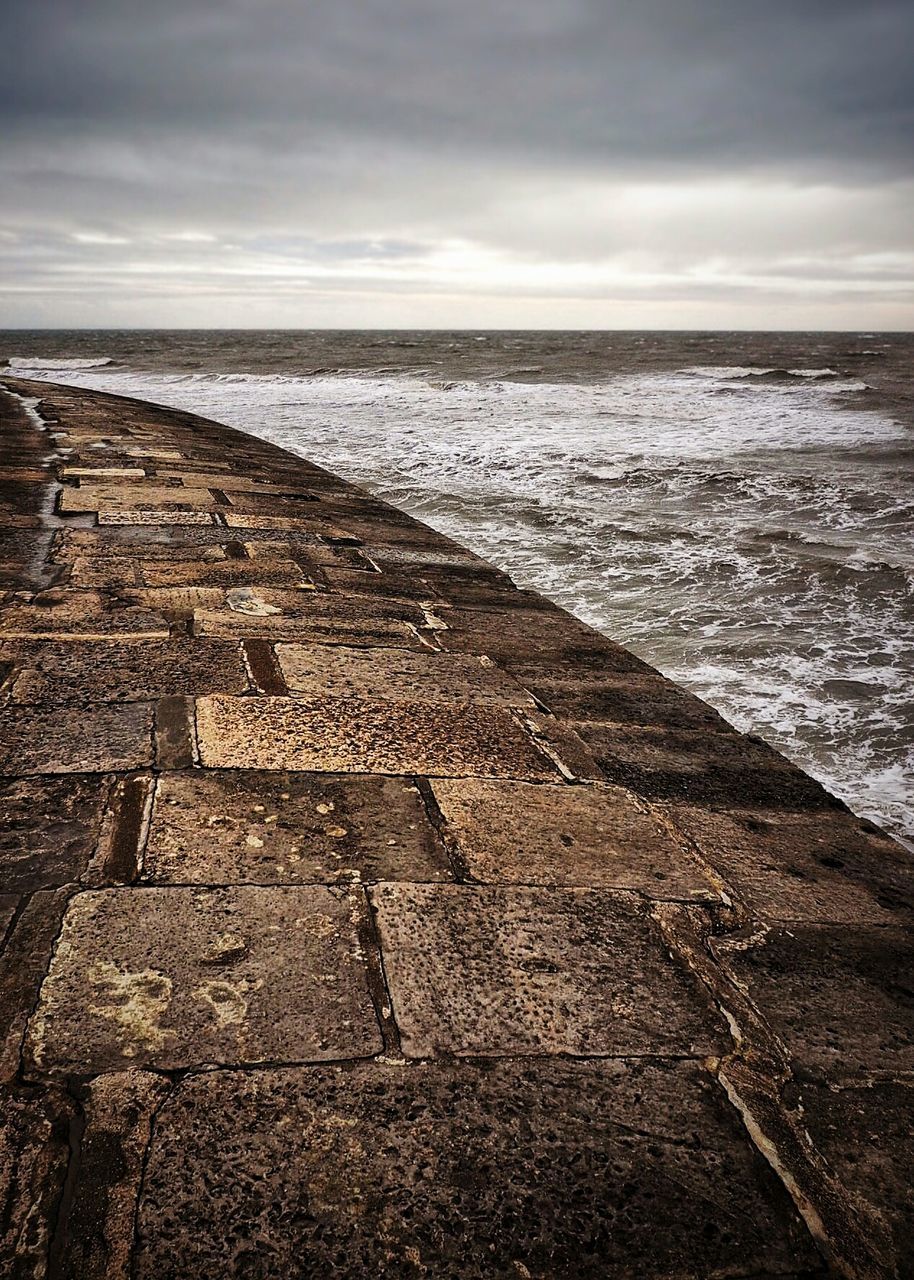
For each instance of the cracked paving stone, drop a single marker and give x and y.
(396, 674)
(110, 672)
(231, 827)
(34, 1154)
(87, 738)
(519, 833)
(796, 867)
(553, 1170)
(865, 1135)
(494, 970)
(50, 829)
(177, 978)
(840, 999)
(361, 735)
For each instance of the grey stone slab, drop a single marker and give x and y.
(514, 970)
(723, 770)
(822, 867)
(76, 739)
(49, 828)
(397, 675)
(100, 671)
(839, 998)
(601, 836)
(231, 827)
(547, 1169)
(34, 1154)
(361, 735)
(867, 1137)
(177, 978)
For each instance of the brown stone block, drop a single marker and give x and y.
(724, 770)
(786, 866)
(24, 962)
(397, 675)
(298, 521)
(60, 615)
(262, 827)
(361, 735)
(76, 739)
(225, 573)
(119, 571)
(49, 828)
(177, 978)
(627, 699)
(320, 627)
(867, 1136)
(34, 1154)
(131, 496)
(103, 472)
(565, 1170)
(110, 672)
(519, 833)
(500, 971)
(839, 998)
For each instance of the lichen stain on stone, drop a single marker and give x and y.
(138, 1001)
(226, 1000)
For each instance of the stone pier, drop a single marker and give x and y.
(363, 915)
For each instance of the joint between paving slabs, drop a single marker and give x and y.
(460, 868)
(369, 936)
(118, 857)
(852, 1238)
(263, 668)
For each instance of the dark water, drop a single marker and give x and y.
(737, 508)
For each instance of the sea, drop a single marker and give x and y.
(737, 508)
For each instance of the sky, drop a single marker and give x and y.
(475, 163)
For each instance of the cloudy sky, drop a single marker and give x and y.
(541, 163)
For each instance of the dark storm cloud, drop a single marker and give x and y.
(682, 82)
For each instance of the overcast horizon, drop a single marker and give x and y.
(534, 166)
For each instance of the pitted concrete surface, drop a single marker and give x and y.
(362, 915)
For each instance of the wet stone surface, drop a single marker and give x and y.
(263, 827)
(365, 736)
(494, 971)
(542, 1169)
(599, 836)
(49, 832)
(34, 1151)
(184, 977)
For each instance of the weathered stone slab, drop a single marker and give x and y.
(299, 521)
(152, 515)
(867, 1136)
(565, 1170)
(319, 627)
(34, 1153)
(493, 970)
(725, 770)
(49, 830)
(520, 833)
(627, 699)
(103, 472)
(176, 978)
(132, 496)
(225, 573)
(99, 671)
(361, 735)
(60, 615)
(397, 675)
(838, 998)
(784, 866)
(76, 739)
(262, 827)
(23, 964)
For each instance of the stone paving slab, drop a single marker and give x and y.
(628, 699)
(108, 672)
(34, 1153)
(86, 738)
(586, 836)
(795, 867)
(153, 515)
(177, 978)
(225, 573)
(241, 826)
(362, 735)
(49, 831)
(498, 970)
(60, 615)
(537, 1169)
(132, 496)
(396, 674)
(840, 999)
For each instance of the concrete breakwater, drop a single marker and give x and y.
(364, 915)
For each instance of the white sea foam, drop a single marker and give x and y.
(51, 364)
(749, 537)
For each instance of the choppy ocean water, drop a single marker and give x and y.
(736, 508)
